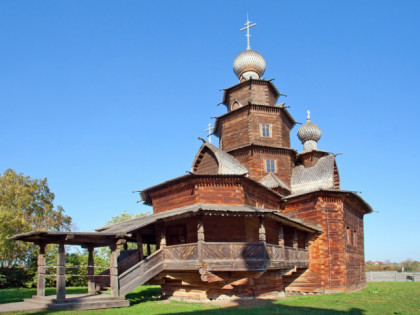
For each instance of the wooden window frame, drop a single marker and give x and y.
(273, 166)
(263, 127)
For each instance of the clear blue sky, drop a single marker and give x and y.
(107, 97)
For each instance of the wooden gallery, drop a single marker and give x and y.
(253, 219)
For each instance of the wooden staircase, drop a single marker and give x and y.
(141, 272)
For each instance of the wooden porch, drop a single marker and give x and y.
(210, 257)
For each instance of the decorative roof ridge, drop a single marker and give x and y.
(262, 145)
(314, 151)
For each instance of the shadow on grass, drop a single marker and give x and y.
(148, 294)
(271, 307)
(239, 306)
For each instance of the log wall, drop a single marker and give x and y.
(334, 265)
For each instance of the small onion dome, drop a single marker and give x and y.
(249, 64)
(309, 134)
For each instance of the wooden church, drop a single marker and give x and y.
(254, 218)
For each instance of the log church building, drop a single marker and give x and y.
(254, 218)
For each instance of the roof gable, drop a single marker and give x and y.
(212, 160)
(272, 181)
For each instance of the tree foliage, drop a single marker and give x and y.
(26, 205)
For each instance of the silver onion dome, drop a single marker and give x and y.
(309, 134)
(249, 64)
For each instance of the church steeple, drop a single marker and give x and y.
(255, 130)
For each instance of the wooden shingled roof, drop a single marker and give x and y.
(320, 176)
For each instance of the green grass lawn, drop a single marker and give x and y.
(378, 298)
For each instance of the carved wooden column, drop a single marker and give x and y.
(162, 242)
(262, 237)
(91, 271)
(40, 285)
(163, 239)
(200, 237)
(261, 230)
(113, 270)
(281, 240)
(140, 245)
(61, 273)
(295, 243)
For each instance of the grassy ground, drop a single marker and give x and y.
(378, 298)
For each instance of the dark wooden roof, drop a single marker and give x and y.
(71, 238)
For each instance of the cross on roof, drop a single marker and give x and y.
(210, 130)
(248, 25)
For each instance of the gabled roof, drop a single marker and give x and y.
(319, 176)
(272, 181)
(228, 165)
(134, 224)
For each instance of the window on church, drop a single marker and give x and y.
(348, 241)
(354, 238)
(270, 166)
(265, 130)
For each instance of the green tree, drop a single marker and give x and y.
(105, 252)
(26, 205)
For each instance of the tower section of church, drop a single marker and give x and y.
(256, 129)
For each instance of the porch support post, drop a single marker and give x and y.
(281, 239)
(261, 230)
(149, 251)
(61, 273)
(262, 237)
(40, 285)
(295, 243)
(162, 235)
(200, 237)
(140, 245)
(91, 271)
(113, 270)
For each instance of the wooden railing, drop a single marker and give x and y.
(233, 251)
(286, 253)
(215, 256)
(181, 252)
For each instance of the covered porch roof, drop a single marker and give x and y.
(211, 209)
(95, 239)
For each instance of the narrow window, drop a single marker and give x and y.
(354, 238)
(270, 166)
(348, 236)
(265, 130)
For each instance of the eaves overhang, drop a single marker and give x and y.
(130, 226)
(329, 192)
